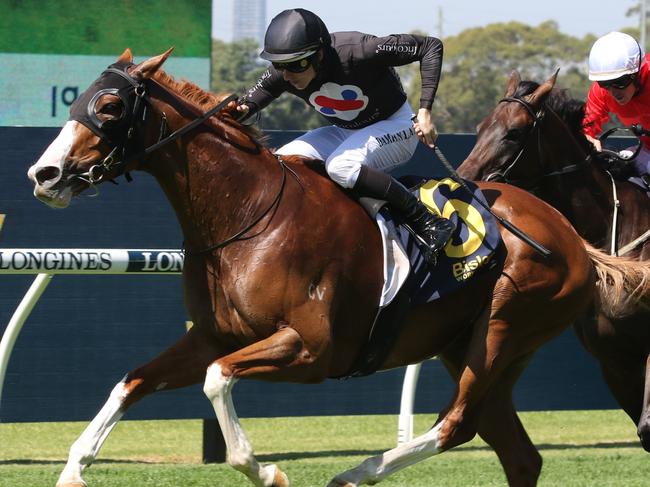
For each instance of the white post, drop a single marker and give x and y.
(405, 422)
(47, 262)
(17, 320)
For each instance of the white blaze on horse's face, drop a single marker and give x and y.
(47, 172)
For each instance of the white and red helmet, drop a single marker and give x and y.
(614, 55)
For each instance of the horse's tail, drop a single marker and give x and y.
(623, 283)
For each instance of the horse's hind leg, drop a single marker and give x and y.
(500, 426)
(493, 349)
(439, 438)
(181, 365)
(281, 353)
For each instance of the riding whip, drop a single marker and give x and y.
(505, 223)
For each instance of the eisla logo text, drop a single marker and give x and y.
(155, 261)
(56, 260)
(401, 48)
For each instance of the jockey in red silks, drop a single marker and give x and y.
(619, 68)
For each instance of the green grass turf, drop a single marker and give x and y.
(580, 448)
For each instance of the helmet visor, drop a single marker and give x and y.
(294, 66)
(618, 83)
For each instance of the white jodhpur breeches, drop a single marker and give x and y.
(383, 145)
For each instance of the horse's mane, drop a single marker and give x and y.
(204, 100)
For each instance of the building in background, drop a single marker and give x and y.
(234, 20)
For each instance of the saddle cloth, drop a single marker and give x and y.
(475, 247)
(471, 250)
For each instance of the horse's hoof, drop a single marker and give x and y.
(280, 479)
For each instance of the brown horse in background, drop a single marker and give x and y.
(533, 139)
(263, 233)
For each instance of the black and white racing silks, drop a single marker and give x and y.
(356, 83)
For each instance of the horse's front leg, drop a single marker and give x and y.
(643, 428)
(281, 353)
(181, 365)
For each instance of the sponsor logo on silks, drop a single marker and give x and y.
(344, 102)
(405, 134)
(155, 261)
(401, 48)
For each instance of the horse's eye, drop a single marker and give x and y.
(112, 109)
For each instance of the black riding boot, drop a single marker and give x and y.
(434, 230)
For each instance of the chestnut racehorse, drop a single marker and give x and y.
(262, 233)
(533, 139)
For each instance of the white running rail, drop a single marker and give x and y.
(45, 263)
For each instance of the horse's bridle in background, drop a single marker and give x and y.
(538, 117)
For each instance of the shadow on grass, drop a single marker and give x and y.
(25, 461)
(275, 457)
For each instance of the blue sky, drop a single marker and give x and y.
(380, 17)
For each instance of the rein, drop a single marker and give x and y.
(239, 235)
(110, 163)
(138, 115)
(97, 172)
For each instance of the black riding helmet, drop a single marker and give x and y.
(294, 34)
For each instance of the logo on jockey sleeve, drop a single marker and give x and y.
(344, 102)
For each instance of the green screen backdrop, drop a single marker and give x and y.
(51, 51)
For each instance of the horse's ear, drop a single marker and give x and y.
(147, 68)
(126, 57)
(538, 96)
(513, 82)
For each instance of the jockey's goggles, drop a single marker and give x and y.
(299, 66)
(618, 83)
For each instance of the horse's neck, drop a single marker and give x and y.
(583, 195)
(562, 144)
(590, 202)
(214, 187)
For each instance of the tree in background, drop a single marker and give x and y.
(476, 67)
(478, 62)
(635, 13)
(236, 68)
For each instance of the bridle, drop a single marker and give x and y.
(120, 135)
(538, 117)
